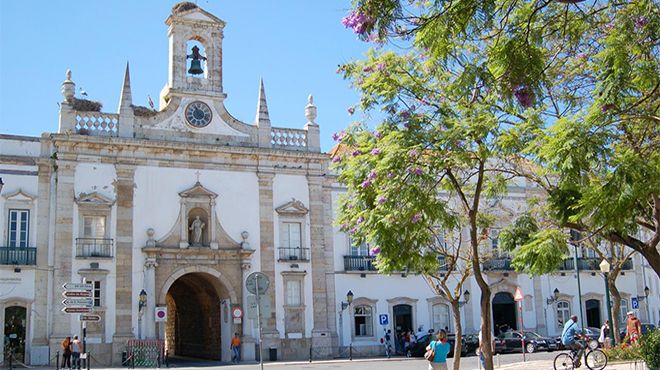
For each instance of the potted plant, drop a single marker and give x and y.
(649, 345)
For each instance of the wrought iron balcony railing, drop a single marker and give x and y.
(18, 255)
(589, 264)
(94, 247)
(498, 264)
(359, 263)
(294, 254)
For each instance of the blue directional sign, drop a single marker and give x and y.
(635, 303)
(384, 319)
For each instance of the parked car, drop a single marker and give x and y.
(512, 341)
(471, 342)
(419, 348)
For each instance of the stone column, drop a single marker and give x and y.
(267, 244)
(150, 287)
(321, 337)
(124, 295)
(64, 239)
(39, 321)
(213, 242)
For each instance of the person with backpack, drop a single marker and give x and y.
(437, 351)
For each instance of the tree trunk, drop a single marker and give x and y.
(616, 305)
(459, 334)
(486, 324)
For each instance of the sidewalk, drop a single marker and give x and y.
(548, 365)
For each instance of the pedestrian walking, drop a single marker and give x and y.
(66, 353)
(76, 349)
(633, 328)
(236, 349)
(440, 348)
(604, 338)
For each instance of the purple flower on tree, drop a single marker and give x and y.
(380, 66)
(338, 136)
(417, 171)
(368, 69)
(415, 218)
(374, 251)
(336, 159)
(375, 151)
(366, 183)
(359, 220)
(380, 199)
(358, 22)
(372, 175)
(641, 21)
(412, 152)
(523, 95)
(350, 110)
(356, 153)
(390, 175)
(378, 134)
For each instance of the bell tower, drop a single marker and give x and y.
(195, 52)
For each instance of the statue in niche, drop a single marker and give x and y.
(196, 227)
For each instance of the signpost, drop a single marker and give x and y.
(79, 299)
(519, 298)
(257, 283)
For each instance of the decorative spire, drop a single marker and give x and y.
(68, 87)
(310, 111)
(262, 107)
(126, 98)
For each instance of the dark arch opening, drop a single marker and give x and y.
(504, 313)
(194, 326)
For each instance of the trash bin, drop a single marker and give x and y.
(272, 354)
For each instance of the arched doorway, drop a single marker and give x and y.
(198, 325)
(15, 322)
(593, 313)
(504, 312)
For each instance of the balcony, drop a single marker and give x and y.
(589, 264)
(18, 256)
(94, 247)
(294, 254)
(359, 263)
(498, 264)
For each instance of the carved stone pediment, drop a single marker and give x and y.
(198, 191)
(94, 199)
(20, 195)
(292, 208)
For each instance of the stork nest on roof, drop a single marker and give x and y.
(85, 105)
(184, 6)
(141, 111)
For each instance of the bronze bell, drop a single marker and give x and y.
(196, 67)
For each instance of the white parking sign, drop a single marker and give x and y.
(384, 319)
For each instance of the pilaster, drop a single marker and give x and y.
(539, 306)
(64, 190)
(42, 281)
(124, 189)
(318, 258)
(267, 241)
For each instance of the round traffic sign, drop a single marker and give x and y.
(254, 279)
(237, 313)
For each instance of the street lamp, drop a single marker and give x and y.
(605, 269)
(554, 298)
(466, 298)
(142, 303)
(647, 291)
(344, 305)
(1, 184)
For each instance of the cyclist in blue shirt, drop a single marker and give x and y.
(568, 338)
(441, 348)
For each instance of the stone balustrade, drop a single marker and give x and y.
(288, 138)
(96, 123)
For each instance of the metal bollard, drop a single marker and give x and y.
(88, 359)
(350, 352)
(310, 354)
(57, 360)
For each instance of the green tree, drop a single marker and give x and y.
(482, 90)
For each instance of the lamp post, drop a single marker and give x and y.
(605, 269)
(343, 306)
(142, 303)
(466, 297)
(647, 291)
(1, 184)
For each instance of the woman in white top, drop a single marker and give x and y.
(604, 338)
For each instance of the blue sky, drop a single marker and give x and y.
(295, 45)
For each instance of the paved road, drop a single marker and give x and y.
(539, 361)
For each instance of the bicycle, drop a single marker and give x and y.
(594, 359)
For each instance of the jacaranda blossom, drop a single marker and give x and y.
(366, 183)
(375, 151)
(415, 219)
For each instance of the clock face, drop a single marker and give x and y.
(198, 114)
